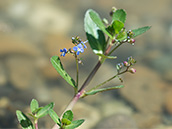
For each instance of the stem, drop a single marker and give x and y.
(103, 83)
(77, 74)
(70, 106)
(36, 124)
(108, 80)
(114, 49)
(91, 75)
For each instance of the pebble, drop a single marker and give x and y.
(168, 101)
(147, 120)
(3, 74)
(117, 121)
(4, 102)
(21, 71)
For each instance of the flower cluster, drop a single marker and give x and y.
(77, 49)
(130, 61)
(130, 40)
(80, 47)
(63, 51)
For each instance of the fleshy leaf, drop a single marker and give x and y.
(55, 117)
(94, 34)
(97, 20)
(103, 89)
(66, 121)
(34, 106)
(68, 115)
(55, 60)
(115, 27)
(74, 124)
(24, 121)
(45, 110)
(107, 57)
(122, 35)
(120, 15)
(140, 31)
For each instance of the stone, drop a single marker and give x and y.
(51, 18)
(3, 74)
(117, 121)
(145, 90)
(168, 101)
(114, 107)
(16, 45)
(4, 102)
(21, 71)
(91, 115)
(146, 121)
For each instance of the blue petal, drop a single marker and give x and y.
(75, 48)
(82, 50)
(84, 45)
(63, 54)
(61, 50)
(65, 50)
(80, 46)
(78, 52)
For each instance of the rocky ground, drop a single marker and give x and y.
(33, 31)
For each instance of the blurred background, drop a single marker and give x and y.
(31, 31)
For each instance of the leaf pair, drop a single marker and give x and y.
(37, 112)
(67, 120)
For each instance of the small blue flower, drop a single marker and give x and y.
(83, 43)
(64, 51)
(78, 49)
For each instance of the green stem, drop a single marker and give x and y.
(108, 80)
(114, 49)
(103, 83)
(77, 74)
(91, 75)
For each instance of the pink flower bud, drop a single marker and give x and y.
(125, 63)
(132, 70)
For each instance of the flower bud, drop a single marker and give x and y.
(125, 63)
(113, 41)
(130, 33)
(119, 66)
(131, 41)
(132, 70)
(112, 11)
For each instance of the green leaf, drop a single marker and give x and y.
(120, 15)
(55, 60)
(103, 89)
(122, 35)
(140, 31)
(24, 121)
(107, 57)
(97, 20)
(74, 124)
(68, 115)
(66, 121)
(34, 106)
(94, 34)
(45, 110)
(115, 27)
(55, 117)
